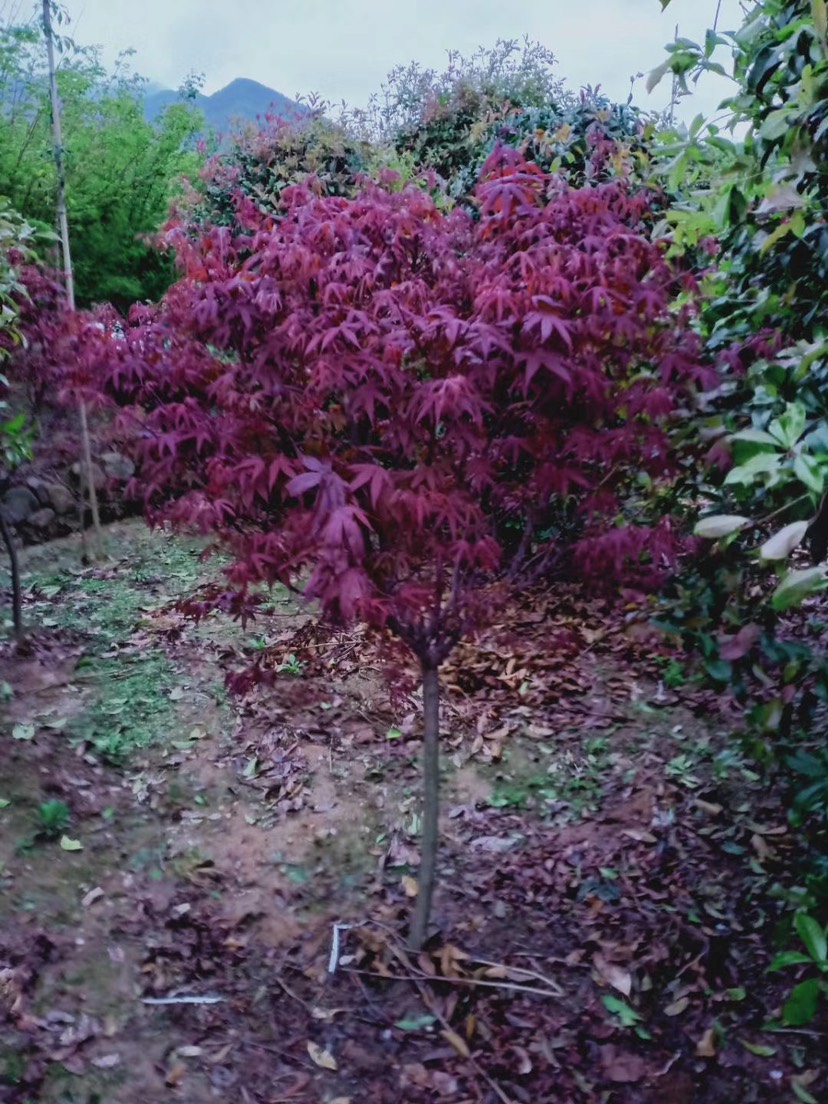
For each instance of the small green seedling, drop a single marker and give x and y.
(625, 1015)
(801, 1005)
(52, 819)
(291, 666)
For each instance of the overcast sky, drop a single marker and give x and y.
(343, 49)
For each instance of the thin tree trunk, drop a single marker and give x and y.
(431, 805)
(68, 273)
(17, 601)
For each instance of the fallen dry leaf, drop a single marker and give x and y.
(615, 976)
(639, 835)
(524, 1061)
(107, 1061)
(708, 807)
(321, 1057)
(175, 1075)
(706, 1046)
(220, 1055)
(763, 851)
(410, 885)
(621, 1066)
(457, 1042)
(444, 1083)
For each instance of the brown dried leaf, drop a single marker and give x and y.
(444, 1083)
(708, 807)
(763, 851)
(615, 976)
(450, 957)
(410, 885)
(706, 1046)
(639, 835)
(524, 1061)
(321, 1057)
(175, 1075)
(107, 1061)
(621, 1066)
(457, 1042)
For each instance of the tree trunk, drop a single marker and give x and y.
(431, 804)
(68, 273)
(17, 603)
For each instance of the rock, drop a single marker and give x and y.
(39, 489)
(117, 466)
(60, 498)
(41, 519)
(18, 504)
(98, 477)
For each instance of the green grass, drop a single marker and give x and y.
(128, 679)
(573, 781)
(131, 707)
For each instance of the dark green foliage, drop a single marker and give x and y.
(587, 140)
(449, 123)
(261, 163)
(780, 243)
(750, 605)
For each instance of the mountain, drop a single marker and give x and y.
(241, 99)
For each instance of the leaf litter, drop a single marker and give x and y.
(604, 928)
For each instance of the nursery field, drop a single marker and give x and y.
(414, 576)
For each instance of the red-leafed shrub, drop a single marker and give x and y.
(34, 363)
(400, 406)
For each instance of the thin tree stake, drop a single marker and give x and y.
(68, 273)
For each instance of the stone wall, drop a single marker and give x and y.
(42, 506)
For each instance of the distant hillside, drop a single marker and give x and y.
(241, 99)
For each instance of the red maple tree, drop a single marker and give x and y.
(392, 407)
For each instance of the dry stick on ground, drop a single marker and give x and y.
(472, 983)
(450, 1034)
(418, 979)
(63, 226)
(551, 988)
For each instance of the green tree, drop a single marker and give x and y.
(121, 171)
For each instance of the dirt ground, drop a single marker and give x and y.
(204, 896)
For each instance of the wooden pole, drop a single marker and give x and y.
(68, 274)
(17, 597)
(430, 843)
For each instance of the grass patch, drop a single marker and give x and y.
(127, 677)
(131, 706)
(550, 780)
